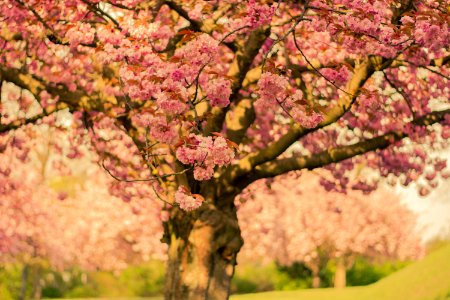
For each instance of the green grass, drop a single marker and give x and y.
(428, 279)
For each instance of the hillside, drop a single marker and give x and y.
(428, 279)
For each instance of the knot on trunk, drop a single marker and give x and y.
(225, 236)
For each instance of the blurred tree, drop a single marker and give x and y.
(63, 221)
(297, 220)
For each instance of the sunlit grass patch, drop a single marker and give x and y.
(428, 279)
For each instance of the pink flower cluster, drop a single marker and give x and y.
(147, 76)
(259, 14)
(200, 50)
(205, 153)
(431, 35)
(338, 77)
(170, 94)
(273, 88)
(138, 29)
(81, 34)
(218, 92)
(172, 101)
(186, 200)
(160, 128)
(308, 119)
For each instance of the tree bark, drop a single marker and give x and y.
(203, 246)
(316, 281)
(315, 277)
(340, 275)
(24, 280)
(37, 288)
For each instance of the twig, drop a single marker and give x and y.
(141, 179)
(404, 96)
(314, 68)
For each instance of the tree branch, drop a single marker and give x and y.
(240, 120)
(16, 124)
(362, 73)
(35, 85)
(238, 71)
(195, 25)
(336, 154)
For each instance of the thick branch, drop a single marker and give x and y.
(272, 151)
(336, 154)
(23, 80)
(194, 24)
(22, 122)
(73, 99)
(240, 117)
(240, 120)
(238, 71)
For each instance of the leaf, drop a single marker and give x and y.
(180, 143)
(185, 32)
(217, 134)
(188, 38)
(198, 196)
(175, 59)
(349, 66)
(232, 144)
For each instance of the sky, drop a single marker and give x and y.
(433, 210)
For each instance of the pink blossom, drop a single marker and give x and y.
(82, 34)
(163, 131)
(306, 119)
(205, 153)
(221, 152)
(259, 14)
(186, 201)
(445, 132)
(218, 92)
(203, 173)
(201, 50)
(338, 77)
(431, 35)
(272, 86)
(170, 103)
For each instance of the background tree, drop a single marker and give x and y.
(199, 99)
(62, 218)
(29, 228)
(297, 220)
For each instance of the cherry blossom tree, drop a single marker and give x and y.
(195, 100)
(29, 229)
(297, 220)
(64, 226)
(92, 231)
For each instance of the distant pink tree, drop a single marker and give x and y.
(85, 227)
(297, 220)
(30, 231)
(105, 233)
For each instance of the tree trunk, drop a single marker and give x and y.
(315, 278)
(37, 288)
(340, 275)
(23, 284)
(203, 246)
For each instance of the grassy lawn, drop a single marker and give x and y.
(428, 279)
